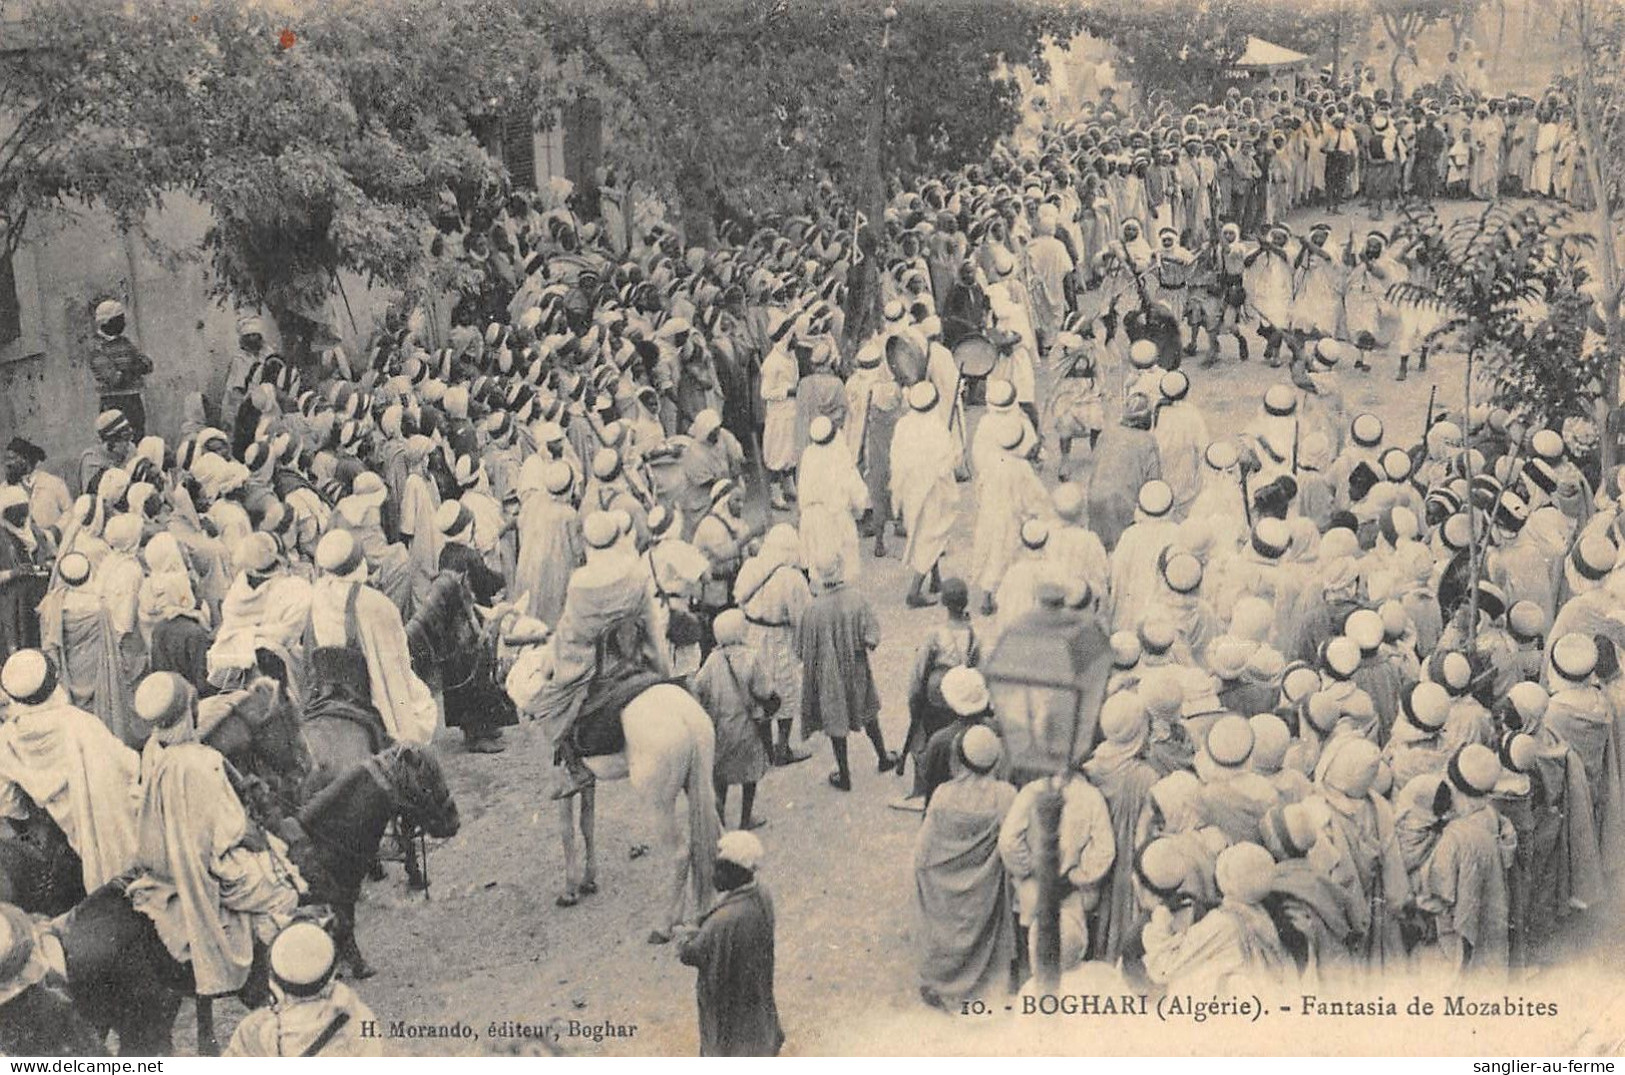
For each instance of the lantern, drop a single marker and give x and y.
(1047, 676)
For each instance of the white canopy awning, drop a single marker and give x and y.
(1262, 54)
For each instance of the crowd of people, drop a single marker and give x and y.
(1330, 741)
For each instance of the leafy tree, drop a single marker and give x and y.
(353, 124)
(1507, 281)
(1183, 51)
(321, 139)
(1175, 49)
(1404, 21)
(944, 63)
(739, 108)
(80, 84)
(1596, 91)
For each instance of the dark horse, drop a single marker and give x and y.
(39, 870)
(281, 756)
(258, 733)
(122, 977)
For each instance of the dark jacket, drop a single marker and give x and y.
(483, 582)
(181, 645)
(118, 365)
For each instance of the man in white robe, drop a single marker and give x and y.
(1369, 317)
(1136, 578)
(64, 761)
(1268, 441)
(611, 625)
(1318, 283)
(402, 699)
(493, 533)
(211, 881)
(1012, 321)
(549, 537)
(1267, 276)
(1048, 264)
(1008, 493)
(1080, 558)
(984, 443)
(923, 486)
(266, 608)
(832, 494)
(1032, 567)
(873, 399)
(1181, 433)
(1234, 948)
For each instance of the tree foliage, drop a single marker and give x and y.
(1595, 88)
(738, 108)
(1404, 21)
(1509, 283)
(350, 128)
(1183, 50)
(321, 137)
(79, 88)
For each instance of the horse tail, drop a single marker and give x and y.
(704, 826)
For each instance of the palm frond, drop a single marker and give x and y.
(1432, 299)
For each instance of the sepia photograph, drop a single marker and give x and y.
(817, 528)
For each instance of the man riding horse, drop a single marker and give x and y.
(211, 881)
(607, 636)
(345, 611)
(37, 1017)
(61, 760)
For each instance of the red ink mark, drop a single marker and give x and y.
(286, 40)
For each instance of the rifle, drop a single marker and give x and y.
(1246, 497)
(956, 426)
(1294, 446)
(863, 442)
(1139, 284)
(1428, 425)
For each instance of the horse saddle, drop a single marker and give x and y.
(597, 733)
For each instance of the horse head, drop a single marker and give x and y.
(257, 730)
(418, 784)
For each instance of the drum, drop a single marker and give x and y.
(976, 355)
(1160, 327)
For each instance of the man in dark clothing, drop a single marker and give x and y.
(950, 646)
(733, 952)
(838, 694)
(966, 693)
(863, 295)
(965, 312)
(1430, 147)
(180, 642)
(1341, 146)
(115, 443)
(119, 367)
(456, 522)
(473, 700)
(25, 559)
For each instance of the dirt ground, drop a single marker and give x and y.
(488, 946)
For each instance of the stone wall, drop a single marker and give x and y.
(162, 277)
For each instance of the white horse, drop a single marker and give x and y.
(670, 748)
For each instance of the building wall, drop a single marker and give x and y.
(74, 260)
(62, 272)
